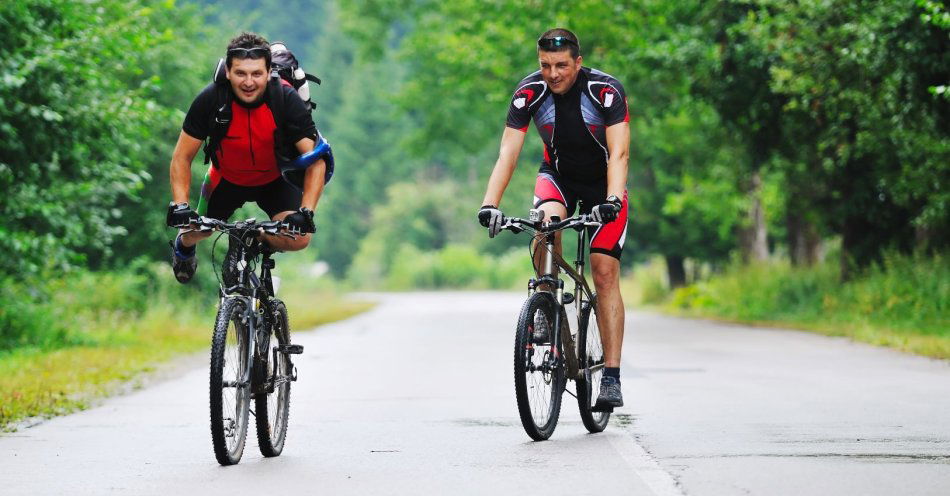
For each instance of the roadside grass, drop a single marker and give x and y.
(903, 303)
(102, 344)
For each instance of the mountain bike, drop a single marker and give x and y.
(552, 347)
(250, 348)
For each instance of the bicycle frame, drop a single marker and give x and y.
(256, 293)
(550, 260)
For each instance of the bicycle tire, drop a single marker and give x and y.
(539, 417)
(272, 410)
(589, 382)
(229, 341)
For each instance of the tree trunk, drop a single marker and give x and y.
(804, 243)
(753, 237)
(676, 271)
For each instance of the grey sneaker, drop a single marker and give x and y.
(610, 396)
(183, 266)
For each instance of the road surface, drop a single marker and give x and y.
(416, 397)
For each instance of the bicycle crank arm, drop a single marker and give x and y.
(235, 384)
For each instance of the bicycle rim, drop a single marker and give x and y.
(538, 368)
(229, 396)
(591, 357)
(273, 409)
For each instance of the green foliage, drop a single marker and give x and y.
(80, 308)
(457, 266)
(83, 117)
(901, 302)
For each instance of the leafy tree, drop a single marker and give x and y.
(80, 91)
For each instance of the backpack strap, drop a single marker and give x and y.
(275, 101)
(312, 77)
(220, 121)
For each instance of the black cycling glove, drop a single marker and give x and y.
(489, 216)
(607, 212)
(180, 215)
(301, 221)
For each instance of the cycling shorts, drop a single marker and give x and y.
(223, 197)
(551, 186)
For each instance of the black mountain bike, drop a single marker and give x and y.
(557, 337)
(250, 349)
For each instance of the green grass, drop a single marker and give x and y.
(96, 333)
(903, 303)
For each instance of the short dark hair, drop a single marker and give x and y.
(248, 40)
(575, 47)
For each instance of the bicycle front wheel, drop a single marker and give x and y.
(590, 354)
(539, 368)
(230, 384)
(272, 406)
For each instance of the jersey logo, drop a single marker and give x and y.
(523, 97)
(609, 98)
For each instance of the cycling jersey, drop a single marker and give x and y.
(246, 156)
(573, 126)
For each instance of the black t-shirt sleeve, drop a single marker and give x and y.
(198, 117)
(614, 100)
(299, 121)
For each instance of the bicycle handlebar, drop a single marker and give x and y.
(516, 225)
(275, 227)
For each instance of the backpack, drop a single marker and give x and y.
(285, 65)
(285, 70)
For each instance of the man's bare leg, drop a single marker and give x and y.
(610, 312)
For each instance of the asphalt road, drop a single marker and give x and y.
(416, 397)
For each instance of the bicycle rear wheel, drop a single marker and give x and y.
(272, 408)
(590, 354)
(230, 393)
(539, 368)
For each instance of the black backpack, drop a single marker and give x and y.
(284, 66)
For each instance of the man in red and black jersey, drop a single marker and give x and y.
(582, 117)
(244, 159)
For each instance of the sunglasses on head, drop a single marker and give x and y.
(555, 42)
(249, 53)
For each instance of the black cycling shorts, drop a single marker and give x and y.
(274, 197)
(551, 186)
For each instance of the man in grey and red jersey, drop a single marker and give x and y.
(244, 153)
(582, 117)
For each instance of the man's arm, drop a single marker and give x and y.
(314, 178)
(180, 168)
(512, 140)
(618, 143)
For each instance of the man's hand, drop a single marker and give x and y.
(489, 216)
(180, 215)
(301, 221)
(607, 212)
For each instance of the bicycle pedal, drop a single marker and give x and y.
(290, 349)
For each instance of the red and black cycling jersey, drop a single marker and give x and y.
(246, 156)
(573, 126)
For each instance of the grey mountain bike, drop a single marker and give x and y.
(250, 349)
(557, 338)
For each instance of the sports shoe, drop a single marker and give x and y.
(183, 266)
(610, 396)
